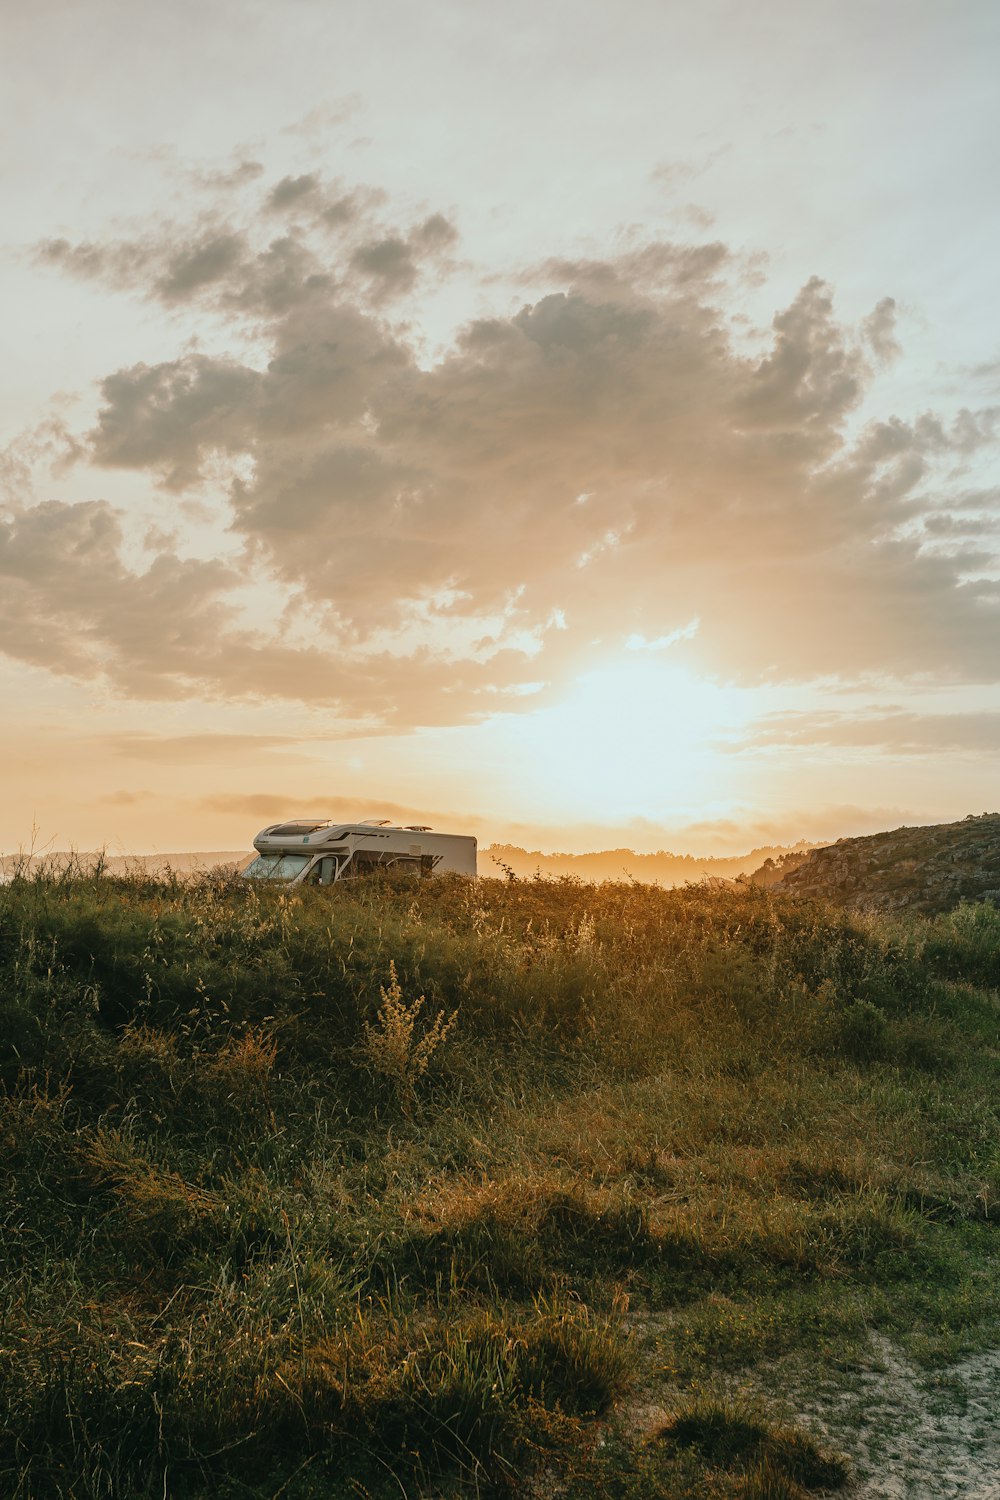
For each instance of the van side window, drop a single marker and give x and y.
(365, 862)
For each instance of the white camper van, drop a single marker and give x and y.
(320, 851)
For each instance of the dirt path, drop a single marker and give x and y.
(911, 1433)
(915, 1434)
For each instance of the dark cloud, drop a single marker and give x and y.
(880, 331)
(337, 212)
(308, 197)
(392, 263)
(388, 263)
(68, 601)
(435, 233)
(663, 264)
(613, 455)
(71, 603)
(200, 265)
(810, 379)
(242, 268)
(951, 524)
(290, 191)
(728, 476)
(120, 263)
(166, 416)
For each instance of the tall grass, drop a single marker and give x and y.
(272, 1222)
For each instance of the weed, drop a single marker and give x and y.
(392, 1046)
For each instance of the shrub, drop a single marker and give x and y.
(392, 1047)
(863, 1032)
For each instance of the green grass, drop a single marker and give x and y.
(269, 1225)
(730, 1436)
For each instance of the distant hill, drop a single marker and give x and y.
(922, 869)
(607, 864)
(622, 864)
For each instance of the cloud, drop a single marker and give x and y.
(123, 263)
(166, 416)
(71, 603)
(392, 264)
(203, 749)
(663, 642)
(291, 190)
(388, 264)
(673, 174)
(989, 371)
(421, 519)
(199, 265)
(323, 118)
(256, 805)
(240, 174)
(328, 235)
(270, 805)
(435, 233)
(880, 331)
(950, 525)
(895, 731)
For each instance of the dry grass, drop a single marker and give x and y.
(273, 1223)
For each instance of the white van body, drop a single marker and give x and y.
(321, 851)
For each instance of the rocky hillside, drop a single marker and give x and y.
(924, 869)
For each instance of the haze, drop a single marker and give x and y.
(575, 424)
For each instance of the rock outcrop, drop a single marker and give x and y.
(921, 869)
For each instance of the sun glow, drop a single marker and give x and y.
(632, 738)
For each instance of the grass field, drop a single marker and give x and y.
(525, 1186)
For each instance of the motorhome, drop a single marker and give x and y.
(321, 851)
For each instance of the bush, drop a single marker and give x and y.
(863, 1032)
(393, 1048)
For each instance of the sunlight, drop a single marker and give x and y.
(634, 737)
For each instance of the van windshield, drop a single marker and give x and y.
(277, 866)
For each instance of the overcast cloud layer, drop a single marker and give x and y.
(617, 460)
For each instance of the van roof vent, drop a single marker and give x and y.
(418, 828)
(293, 830)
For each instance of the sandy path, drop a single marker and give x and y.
(915, 1434)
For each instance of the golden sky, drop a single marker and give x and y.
(574, 424)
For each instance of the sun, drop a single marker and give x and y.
(634, 737)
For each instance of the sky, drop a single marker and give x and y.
(573, 424)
